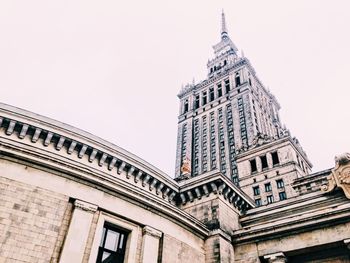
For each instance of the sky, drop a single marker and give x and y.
(114, 68)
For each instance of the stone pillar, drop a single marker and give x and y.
(74, 245)
(150, 245)
(276, 258)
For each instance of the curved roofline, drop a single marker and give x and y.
(61, 126)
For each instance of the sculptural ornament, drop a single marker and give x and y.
(340, 176)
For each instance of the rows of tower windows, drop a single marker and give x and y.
(184, 139)
(255, 116)
(268, 190)
(204, 145)
(231, 141)
(217, 67)
(212, 141)
(222, 142)
(209, 96)
(196, 148)
(264, 162)
(242, 122)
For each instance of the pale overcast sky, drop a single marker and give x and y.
(114, 68)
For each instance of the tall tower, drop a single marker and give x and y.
(229, 122)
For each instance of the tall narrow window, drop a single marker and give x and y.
(253, 167)
(219, 90)
(211, 94)
(256, 190)
(269, 199)
(258, 202)
(204, 98)
(227, 86)
(268, 187)
(196, 102)
(280, 183)
(112, 246)
(186, 106)
(237, 79)
(263, 160)
(275, 159)
(282, 196)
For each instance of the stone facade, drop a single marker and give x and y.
(68, 196)
(231, 118)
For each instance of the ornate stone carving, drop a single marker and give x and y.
(340, 176)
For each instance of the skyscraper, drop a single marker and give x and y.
(230, 123)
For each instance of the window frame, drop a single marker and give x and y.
(131, 243)
(269, 197)
(268, 187)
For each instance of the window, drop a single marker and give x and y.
(269, 199)
(196, 102)
(280, 183)
(219, 90)
(227, 86)
(263, 160)
(253, 167)
(186, 106)
(204, 98)
(237, 79)
(256, 190)
(258, 202)
(268, 187)
(211, 94)
(112, 246)
(282, 196)
(275, 159)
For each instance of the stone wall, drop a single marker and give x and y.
(30, 221)
(175, 251)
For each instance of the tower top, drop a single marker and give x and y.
(223, 26)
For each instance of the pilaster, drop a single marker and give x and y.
(74, 245)
(150, 245)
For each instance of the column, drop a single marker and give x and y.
(276, 258)
(150, 245)
(74, 245)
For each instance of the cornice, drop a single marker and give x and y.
(309, 215)
(214, 183)
(73, 153)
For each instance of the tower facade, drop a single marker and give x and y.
(230, 123)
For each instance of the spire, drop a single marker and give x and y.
(223, 26)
